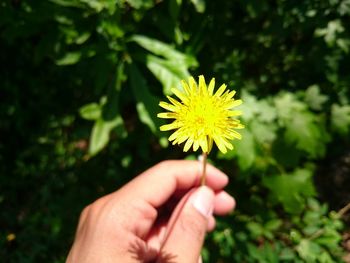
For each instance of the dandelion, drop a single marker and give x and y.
(202, 117)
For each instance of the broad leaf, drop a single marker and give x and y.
(110, 118)
(161, 49)
(341, 118)
(147, 104)
(291, 189)
(91, 111)
(314, 98)
(169, 73)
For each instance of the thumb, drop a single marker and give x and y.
(186, 236)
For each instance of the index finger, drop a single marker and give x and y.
(157, 184)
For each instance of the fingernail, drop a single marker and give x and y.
(203, 201)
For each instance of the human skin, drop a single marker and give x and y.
(160, 216)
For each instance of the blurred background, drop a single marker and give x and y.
(80, 83)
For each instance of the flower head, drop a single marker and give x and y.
(201, 116)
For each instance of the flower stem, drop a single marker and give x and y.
(204, 170)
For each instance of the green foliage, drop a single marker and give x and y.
(80, 86)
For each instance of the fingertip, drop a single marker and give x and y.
(211, 223)
(216, 178)
(223, 203)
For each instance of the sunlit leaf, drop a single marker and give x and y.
(69, 58)
(314, 98)
(167, 51)
(341, 118)
(147, 104)
(91, 111)
(291, 189)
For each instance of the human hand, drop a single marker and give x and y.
(134, 224)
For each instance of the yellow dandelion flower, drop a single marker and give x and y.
(201, 116)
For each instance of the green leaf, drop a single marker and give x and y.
(266, 112)
(263, 133)
(255, 229)
(273, 224)
(314, 98)
(291, 189)
(308, 250)
(138, 4)
(69, 58)
(245, 149)
(147, 104)
(286, 105)
(91, 111)
(169, 73)
(306, 135)
(174, 8)
(199, 5)
(301, 126)
(110, 118)
(341, 118)
(100, 134)
(249, 106)
(161, 49)
(68, 3)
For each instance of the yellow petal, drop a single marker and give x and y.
(234, 113)
(204, 145)
(180, 95)
(210, 144)
(220, 144)
(211, 87)
(202, 85)
(188, 144)
(220, 90)
(167, 106)
(193, 84)
(233, 104)
(168, 127)
(195, 145)
(174, 101)
(167, 115)
(230, 95)
(186, 87)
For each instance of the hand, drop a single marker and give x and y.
(160, 216)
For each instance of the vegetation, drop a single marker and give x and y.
(80, 86)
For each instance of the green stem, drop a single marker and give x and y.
(204, 170)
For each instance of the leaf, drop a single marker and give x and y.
(267, 112)
(245, 149)
(249, 106)
(286, 105)
(263, 133)
(256, 229)
(167, 72)
(301, 126)
(100, 135)
(138, 4)
(314, 98)
(199, 5)
(110, 118)
(161, 49)
(69, 58)
(174, 8)
(68, 3)
(147, 104)
(340, 117)
(91, 111)
(291, 189)
(306, 135)
(308, 250)
(273, 224)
